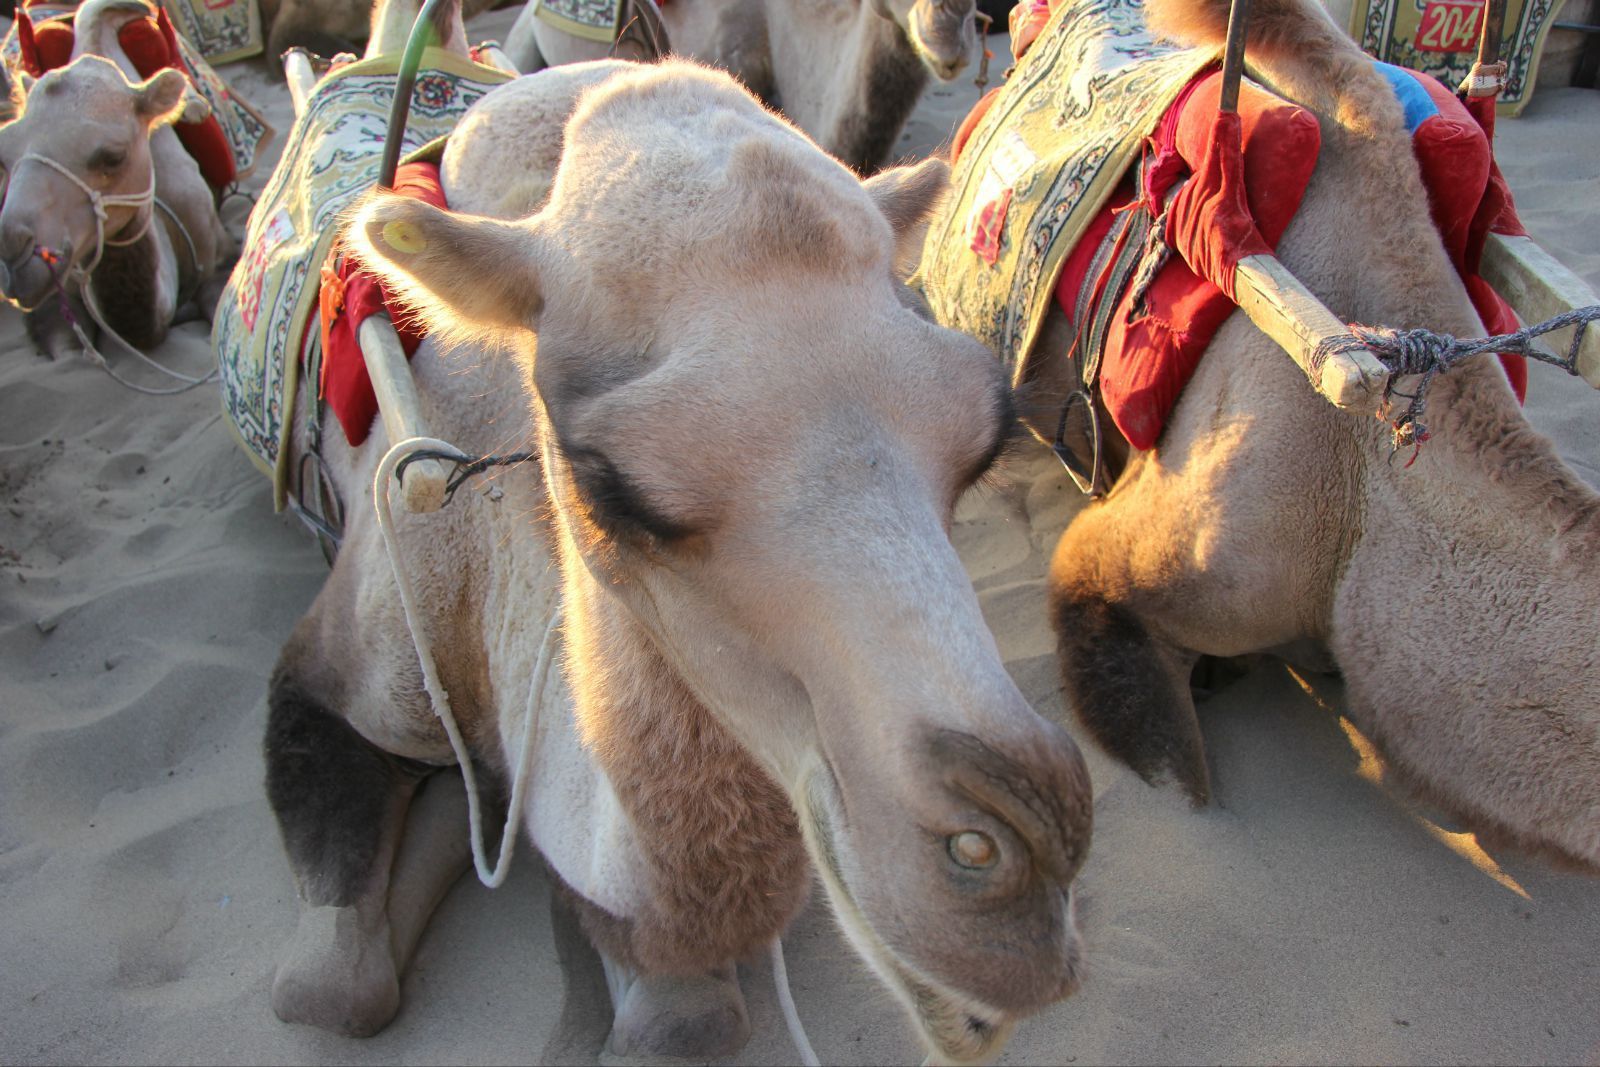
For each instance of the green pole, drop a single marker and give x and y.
(422, 36)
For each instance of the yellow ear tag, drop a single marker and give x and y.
(403, 237)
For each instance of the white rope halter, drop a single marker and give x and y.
(100, 201)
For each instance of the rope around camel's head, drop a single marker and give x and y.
(1424, 352)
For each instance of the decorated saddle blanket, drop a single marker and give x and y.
(1043, 214)
(593, 20)
(1440, 37)
(226, 144)
(222, 30)
(331, 157)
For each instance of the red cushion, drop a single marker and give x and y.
(350, 295)
(1468, 197)
(1149, 358)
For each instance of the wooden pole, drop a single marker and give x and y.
(300, 75)
(423, 484)
(1540, 287)
(1282, 307)
(1277, 302)
(1494, 21)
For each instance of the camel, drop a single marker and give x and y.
(719, 602)
(847, 72)
(1454, 592)
(106, 216)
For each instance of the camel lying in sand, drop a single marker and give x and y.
(1456, 594)
(749, 442)
(103, 204)
(847, 72)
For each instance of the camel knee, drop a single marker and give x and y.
(700, 1016)
(338, 799)
(339, 972)
(1130, 691)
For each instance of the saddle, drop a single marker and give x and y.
(265, 318)
(1142, 317)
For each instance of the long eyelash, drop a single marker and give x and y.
(615, 502)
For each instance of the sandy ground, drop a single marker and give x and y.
(145, 587)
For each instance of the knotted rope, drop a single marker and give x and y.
(99, 201)
(1426, 353)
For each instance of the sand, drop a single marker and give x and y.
(146, 585)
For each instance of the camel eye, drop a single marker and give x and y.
(108, 160)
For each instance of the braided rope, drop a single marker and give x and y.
(1426, 353)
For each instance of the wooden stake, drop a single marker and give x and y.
(1540, 287)
(298, 72)
(423, 484)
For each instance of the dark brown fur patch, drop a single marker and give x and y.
(894, 82)
(124, 286)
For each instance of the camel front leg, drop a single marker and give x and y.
(342, 806)
(692, 1016)
(1128, 688)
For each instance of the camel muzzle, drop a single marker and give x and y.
(945, 35)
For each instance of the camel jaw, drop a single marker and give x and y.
(945, 49)
(955, 1029)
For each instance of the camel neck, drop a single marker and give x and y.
(889, 79)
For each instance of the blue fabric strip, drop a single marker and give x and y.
(1419, 106)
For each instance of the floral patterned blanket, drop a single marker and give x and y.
(593, 20)
(1040, 165)
(330, 159)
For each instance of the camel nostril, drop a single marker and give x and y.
(973, 849)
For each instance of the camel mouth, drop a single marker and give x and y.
(956, 1028)
(943, 44)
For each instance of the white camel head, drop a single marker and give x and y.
(78, 169)
(753, 441)
(943, 32)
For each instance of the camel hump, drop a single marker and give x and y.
(97, 22)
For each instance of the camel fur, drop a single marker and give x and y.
(749, 444)
(1455, 592)
(847, 72)
(93, 117)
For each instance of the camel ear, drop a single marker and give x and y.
(464, 275)
(908, 196)
(160, 99)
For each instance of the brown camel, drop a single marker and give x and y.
(1456, 593)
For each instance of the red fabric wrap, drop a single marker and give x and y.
(350, 295)
(1025, 22)
(970, 123)
(1150, 357)
(151, 45)
(1209, 223)
(1467, 198)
